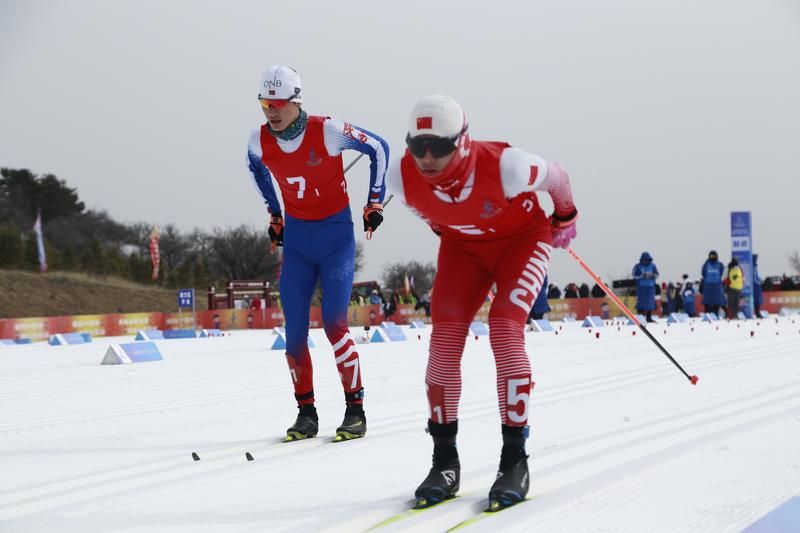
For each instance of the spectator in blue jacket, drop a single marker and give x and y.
(540, 305)
(374, 297)
(711, 284)
(645, 273)
(758, 294)
(553, 292)
(688, 299)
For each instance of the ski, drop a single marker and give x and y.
(492, 508)
(410, 511)
(343, 436)
(268, 447)
(294, 436)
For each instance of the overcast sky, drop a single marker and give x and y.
(667, 115)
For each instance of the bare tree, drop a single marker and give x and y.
(359, 257)
(242, 253)
(794, 261)
(394, 274)
(174, 248)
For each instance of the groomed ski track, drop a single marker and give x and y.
(620, 440)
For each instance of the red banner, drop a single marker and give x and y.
(155, 253)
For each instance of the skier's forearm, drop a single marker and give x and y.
(557, 185)
(262, 179)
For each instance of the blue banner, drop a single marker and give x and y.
(742, 250)
(131, 352)
(185, 298)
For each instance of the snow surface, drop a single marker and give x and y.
(621, 441)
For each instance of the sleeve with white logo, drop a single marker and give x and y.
(341, 136)
(523, 172)
(262, 177)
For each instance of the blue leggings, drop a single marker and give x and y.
(324, 251)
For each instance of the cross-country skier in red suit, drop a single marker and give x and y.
(481, 198)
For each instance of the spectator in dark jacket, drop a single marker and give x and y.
(571, 291)
(677, 298)
(390, 307)
(553, 292)
(645, 273)
(671, 297)
(758, 293)
(597, 292)
(735, 283)
(540, 305)
(665, 299)
(711, 283)
(583, 290)
(688, 299)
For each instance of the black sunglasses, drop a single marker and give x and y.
(438, 146)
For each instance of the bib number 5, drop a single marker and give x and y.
(518, 392)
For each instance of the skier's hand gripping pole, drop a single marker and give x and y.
(373, 212)
(275, 231)
(692, 379)
(373, 216)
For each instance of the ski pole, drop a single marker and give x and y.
(353, 162)
(348, 167)
(628, 313)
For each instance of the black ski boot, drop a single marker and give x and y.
(306, 426)
(513, 478)
(444, 479)
(354, 425)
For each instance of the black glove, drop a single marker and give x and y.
(373, 216)
(276, 230)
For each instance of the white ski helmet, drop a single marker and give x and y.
(280, 82)
(437, 115)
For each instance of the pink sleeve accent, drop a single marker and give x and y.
(556, 183)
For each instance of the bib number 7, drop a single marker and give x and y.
(301, 183)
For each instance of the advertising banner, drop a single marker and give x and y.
(742, 250)
(124, 324)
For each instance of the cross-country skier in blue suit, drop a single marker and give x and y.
(303, 153)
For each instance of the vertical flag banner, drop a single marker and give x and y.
(742, 250)
(155, 254)
(406, 284)
(37, 228)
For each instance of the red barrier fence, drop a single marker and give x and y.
(117, 324)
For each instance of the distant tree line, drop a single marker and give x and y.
(420, 276)
(91, 241)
